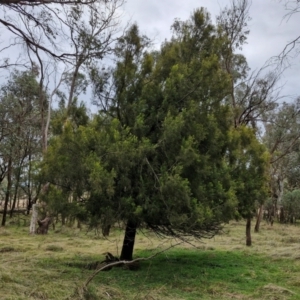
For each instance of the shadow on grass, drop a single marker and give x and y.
(195, 274)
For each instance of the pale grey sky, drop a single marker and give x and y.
(269, 31)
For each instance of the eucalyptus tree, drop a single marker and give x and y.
(41, 24)
(282, 137)
(21, 129)
(251, 95)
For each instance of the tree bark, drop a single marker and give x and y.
(106, 230)
(16, 190)
(259, 217)
(281, 215)
(43, 225)
(7, 193)
(248, 232)
(129, 239)
(32, 229)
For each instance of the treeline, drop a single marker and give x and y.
(185, 139)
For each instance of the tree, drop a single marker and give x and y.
(66, 199)
(291, 206)
(21, 130)
(251, 95)
(282, 139)
(291, 49)
(41, 24)
(250, 165)
(162, 152)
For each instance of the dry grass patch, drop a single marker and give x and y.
(53, 266)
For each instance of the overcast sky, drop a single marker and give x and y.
(269, 32)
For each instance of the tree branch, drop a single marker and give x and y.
(126, 262)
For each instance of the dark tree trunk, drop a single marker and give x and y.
(78, 224)
(258, 219)
(29, 205)
(15, 197)
(106, 230)
(129, 238)
(13, 206)
(281, 215)
(18, 175)
(43, 225)
(63, 220)
(7, 193)
(248, 232)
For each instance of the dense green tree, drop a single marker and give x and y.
(291, 206)
(162, 152)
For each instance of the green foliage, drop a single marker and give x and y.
(211, 272)
(162, 152)
(291, 205)
(23, 104)
(249, 162)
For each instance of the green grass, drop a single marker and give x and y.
(55, 266)
(194, 274)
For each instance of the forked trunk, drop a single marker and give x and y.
(129, 238)
(248, 232)
(258, 219)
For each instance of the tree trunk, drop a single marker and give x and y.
(15, 194)
(7, 193)
(106, 230)
(63, 220)
(43, 225)
(33, 221)
(29, 205)
(248, 232)
(129, 238)
(259, 217)
(73, 83)
(281, 215)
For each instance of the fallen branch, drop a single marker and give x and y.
(126, 262)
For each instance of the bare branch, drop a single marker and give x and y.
(46, 24)
(42, 2)
(126, 262)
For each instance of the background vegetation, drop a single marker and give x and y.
(186, 139)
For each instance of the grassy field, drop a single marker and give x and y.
(55, 266)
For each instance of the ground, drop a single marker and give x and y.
(56, 266)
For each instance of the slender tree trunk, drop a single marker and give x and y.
(16, 190)
(13, 205)
(7, 193)
(248, 232)
(34, 217)
(129, 238)
(73, 83)
(258, 219)
(63, 220)
(29, 204)
(106, 230)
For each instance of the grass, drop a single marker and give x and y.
(55, 266)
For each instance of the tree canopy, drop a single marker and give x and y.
(163, 152)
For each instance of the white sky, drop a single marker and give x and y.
(269, 32)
